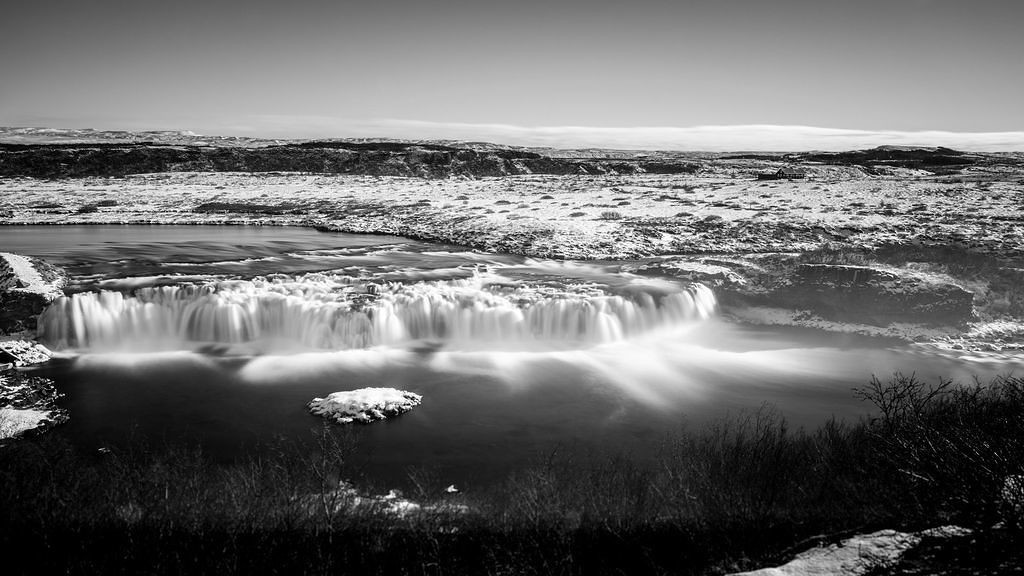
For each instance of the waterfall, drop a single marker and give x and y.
(321, 311)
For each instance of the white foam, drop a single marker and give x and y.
(14, 421)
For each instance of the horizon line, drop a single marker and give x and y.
(701, 138)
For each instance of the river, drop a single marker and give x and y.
(222, 335)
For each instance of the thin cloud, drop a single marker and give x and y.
(697, 138)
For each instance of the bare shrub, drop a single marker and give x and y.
(955, 445)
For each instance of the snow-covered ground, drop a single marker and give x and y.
(856, 555)
(26, 403)
(17, 273)
(721, 211)
(571, 216)
(15, 421)
(348, 499)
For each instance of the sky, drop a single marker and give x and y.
(545, 72)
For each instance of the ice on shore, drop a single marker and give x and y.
(14, 422)
(857, 555)
(19, 273)
(364, 405)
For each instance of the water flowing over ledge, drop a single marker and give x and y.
(336, 312)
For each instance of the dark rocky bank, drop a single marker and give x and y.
(27, 287)
(363, 158)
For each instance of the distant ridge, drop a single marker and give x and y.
(51, 153)
(34, 135)
(580, 139)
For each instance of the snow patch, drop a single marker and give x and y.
(23, 352)
(19, 274)
(857, 555)
(345, 498)
(26, 277)
(999, 329)
(13, 421)
(364, 405)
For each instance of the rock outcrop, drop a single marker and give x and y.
(872, 296)
(27, 286)
(937, 160)
(719, 275)
(864, 295)
(28, 404)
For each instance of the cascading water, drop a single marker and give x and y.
(337, 312)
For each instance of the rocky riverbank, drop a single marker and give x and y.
(27, 403)
(27, 286)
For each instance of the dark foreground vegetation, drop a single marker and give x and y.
(739, 494)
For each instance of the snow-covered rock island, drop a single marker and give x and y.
(364, 405)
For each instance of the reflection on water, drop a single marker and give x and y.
(191, 332)
(484, 411)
